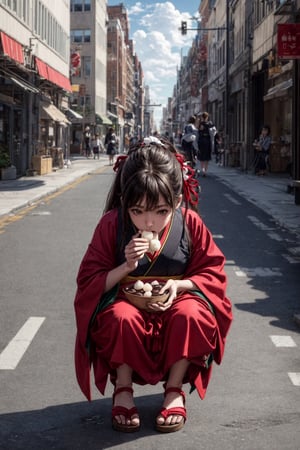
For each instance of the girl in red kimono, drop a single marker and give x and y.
(175, 341)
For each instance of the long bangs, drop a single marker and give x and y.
(148, 186)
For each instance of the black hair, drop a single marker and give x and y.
(150, 170)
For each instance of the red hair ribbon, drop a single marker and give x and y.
(190, 184)
(120, 159)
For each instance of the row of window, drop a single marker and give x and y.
(79, 36)
(18, 7)
(80, 5)
(44, 23)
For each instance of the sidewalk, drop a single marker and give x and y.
(268, 193)
(17, 194)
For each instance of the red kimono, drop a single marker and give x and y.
(111, 331)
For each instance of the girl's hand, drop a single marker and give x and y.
(172, 287)
(135, 250)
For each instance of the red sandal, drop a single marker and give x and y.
(122, 411)
(176, 411)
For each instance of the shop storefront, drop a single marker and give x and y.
(278, 115)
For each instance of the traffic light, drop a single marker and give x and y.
(183, 27)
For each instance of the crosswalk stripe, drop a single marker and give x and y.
(295, 378)
(15, 349)
(283, 341)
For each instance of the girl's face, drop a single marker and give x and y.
(154, 220)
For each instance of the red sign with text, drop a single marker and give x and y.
(288, 40)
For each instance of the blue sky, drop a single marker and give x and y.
(159, 43)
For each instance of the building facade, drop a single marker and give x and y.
(244, 80)
(34, 82)
(88, 35)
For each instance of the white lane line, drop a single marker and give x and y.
(283, 341)
(258, 272)
(240, 273)
(295, 378)
(275, 237)
(259, 224)
(232, 199)
(292, 259)
(218, 236)
(15, 349)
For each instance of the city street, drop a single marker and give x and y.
(253, 400)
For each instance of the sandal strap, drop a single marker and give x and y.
(175, 389)
(122, 389)
(176, 411)
(122, 411)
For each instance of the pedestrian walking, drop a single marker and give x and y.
(204, 142)
(87, 141)
(150, 233)
(111, 145)
(188, 139)
(96, 146)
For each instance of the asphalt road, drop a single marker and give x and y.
(253, 400)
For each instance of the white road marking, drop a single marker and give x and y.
(283, 341)
(259, 224)
(15, 349)
(275, 237)
(292, 259)
(294, 251)
(240, 273)
(218, 236)
(232, 199)
(258, 272)
(295, 378)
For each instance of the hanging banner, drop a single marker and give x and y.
(75, 63)
(288, 40)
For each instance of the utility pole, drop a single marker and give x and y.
(184, 30)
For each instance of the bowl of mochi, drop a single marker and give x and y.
(140, 294)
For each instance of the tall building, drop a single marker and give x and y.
(34, 83)
(124, 78)
(88, 69)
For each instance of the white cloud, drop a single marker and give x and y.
(158, 43)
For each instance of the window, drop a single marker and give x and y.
(80, 5)
(86, 66)
(81, 36)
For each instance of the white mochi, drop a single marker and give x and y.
(147, 235)
(138, 285)
(147, 287)
(154, 245)
(147, 294)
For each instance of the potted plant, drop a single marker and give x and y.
(7, 170)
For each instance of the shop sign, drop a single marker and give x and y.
(288, 40)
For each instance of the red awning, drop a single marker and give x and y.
(12, 48)
(42, 68)
(50, 74)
